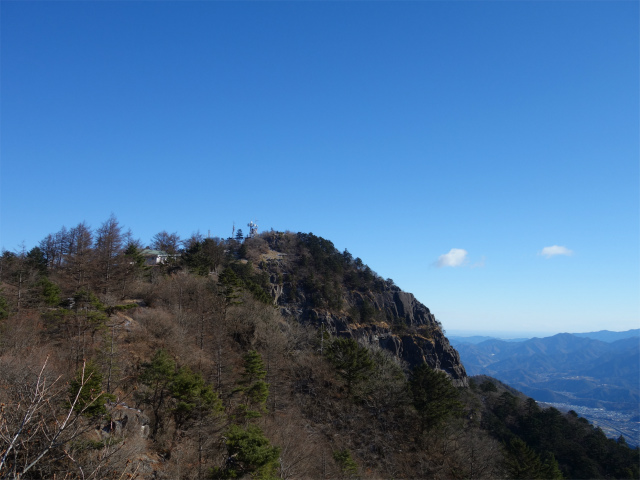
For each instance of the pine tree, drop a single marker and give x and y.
(434, 397)
(351, 360)
(158, 376)
(86, 391)
(348, 466)
(522, 462)
(249, 452)
(192, 396)
(50, 292)
(4, 307)
(253, 386)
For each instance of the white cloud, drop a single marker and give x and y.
(555, 250)
(455, 258)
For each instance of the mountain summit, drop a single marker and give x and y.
(272, 356)
(311, 280)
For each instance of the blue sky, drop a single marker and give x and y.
(447, 144)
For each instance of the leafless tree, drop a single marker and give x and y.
(299, 449)
(39, 425)
(129, 239)
(385, 388)
(79, 254)
(167, 242)
(193, 240)
(109, 240)
(54, 247)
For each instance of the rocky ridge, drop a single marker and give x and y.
(426, 344)
(399, 322)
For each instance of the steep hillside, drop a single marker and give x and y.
(273, 357)
(315, 283)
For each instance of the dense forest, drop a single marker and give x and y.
(273, 356)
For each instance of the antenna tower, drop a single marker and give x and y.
(253, 228)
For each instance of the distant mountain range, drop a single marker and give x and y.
(597, 370)
(476, 339)
(603, 335)
(608, 336)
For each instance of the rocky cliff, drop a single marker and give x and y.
(372, 310)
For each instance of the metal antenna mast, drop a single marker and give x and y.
(253, 228)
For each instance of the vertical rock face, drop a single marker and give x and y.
(415, 335)
(310, 280)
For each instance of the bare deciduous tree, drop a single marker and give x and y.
(167, 242)
(55, 246)
(40, 425)
(109, 240)
(79, 254)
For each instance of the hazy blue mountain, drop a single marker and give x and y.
(602, 335)
(475, 339)
(567, 369)
(609, 336)
(564, 354)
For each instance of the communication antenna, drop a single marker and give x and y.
(233, 230)
(253, 228)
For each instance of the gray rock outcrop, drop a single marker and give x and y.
(409, 330)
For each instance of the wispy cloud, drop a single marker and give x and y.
(479, 264)
(555, 250)
(455, 258)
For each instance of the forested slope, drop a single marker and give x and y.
(270, 357)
